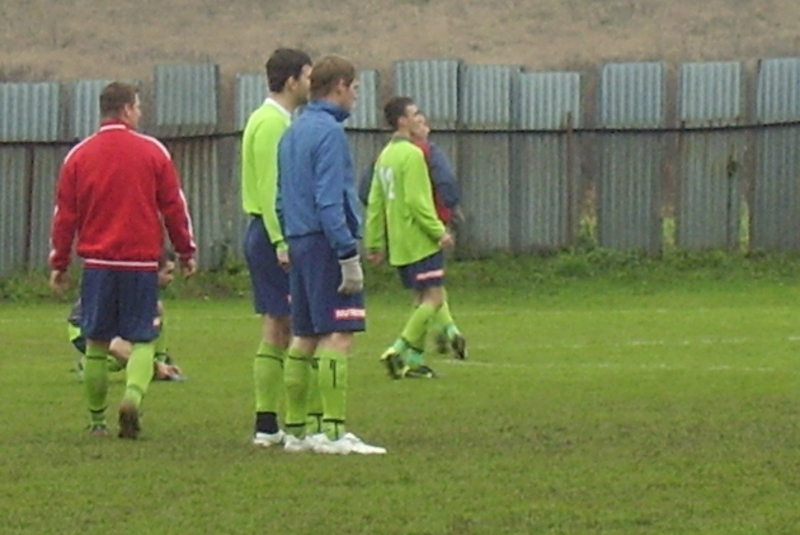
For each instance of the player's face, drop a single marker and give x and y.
(348, 94)
(302, 86)
(411, 119)
(132, 113)
(420, 128)
(166, 274)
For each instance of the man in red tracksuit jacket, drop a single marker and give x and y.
(114, 190)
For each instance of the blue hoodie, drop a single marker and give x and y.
(316, 180)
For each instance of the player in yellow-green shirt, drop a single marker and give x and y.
(402, 220)
(265, 247)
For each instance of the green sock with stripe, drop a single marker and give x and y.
(417, 325)
(95, 383)
(333, 390)
(269, 387)
(314, 419)
(296, 376)
(139, 372)
(445, 320)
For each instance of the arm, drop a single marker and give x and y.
(375, 239)
(172, 205)
(444, 178)
(419, 196)
(65, 219)
(330, 168)
(265, 150)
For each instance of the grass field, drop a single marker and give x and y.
(664, 404)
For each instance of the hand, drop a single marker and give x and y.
(283, 259)
(165, 372)
(59, 281)
(352, 276)
(446, 241)
(376, 257)
(188, 267)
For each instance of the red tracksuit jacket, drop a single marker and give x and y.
(114, 190)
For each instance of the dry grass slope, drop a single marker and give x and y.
(71, 39)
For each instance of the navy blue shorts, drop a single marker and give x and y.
(269, 281)
(317, 307)
(424, 273)
(119, 303)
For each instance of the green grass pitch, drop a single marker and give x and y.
(597, 406)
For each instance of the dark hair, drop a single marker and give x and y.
(115, 96)
(396, 108)
(168, 255)
(283, 64)
(328, 72)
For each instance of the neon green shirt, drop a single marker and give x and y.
(400, 207)
(263, 131)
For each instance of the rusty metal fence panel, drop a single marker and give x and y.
(545, 161)
(709, 205)
(776, 194)
(484, 157)
(46, 164)
(186, 99)
(632, 108)
(85, 111)
(29, 112)
(434, 86)
(14, 199)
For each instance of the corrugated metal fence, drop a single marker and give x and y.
(534, 152)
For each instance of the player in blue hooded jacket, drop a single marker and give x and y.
(319, 209)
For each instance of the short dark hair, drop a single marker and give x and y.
(396, 108)
(115, 96)
(283, 64)
(328, 72)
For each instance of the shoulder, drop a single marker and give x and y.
(152, 144)
(78, 149)
(266, 117)
(411, 150)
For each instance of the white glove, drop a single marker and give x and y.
(352, 275)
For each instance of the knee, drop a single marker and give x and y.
(433, 296)
(120, 349)
(339, 342)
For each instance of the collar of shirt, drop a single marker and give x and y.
(339, 113)
(272, 102)
(113, 124)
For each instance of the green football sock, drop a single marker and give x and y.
(296, 378)
(268, 377)
(314, 419)
(414, 358)
(333, 389)
(414, 331)
(445, 319)
(139, 372)
(95, 380)
(114, 364)
(400, 345)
